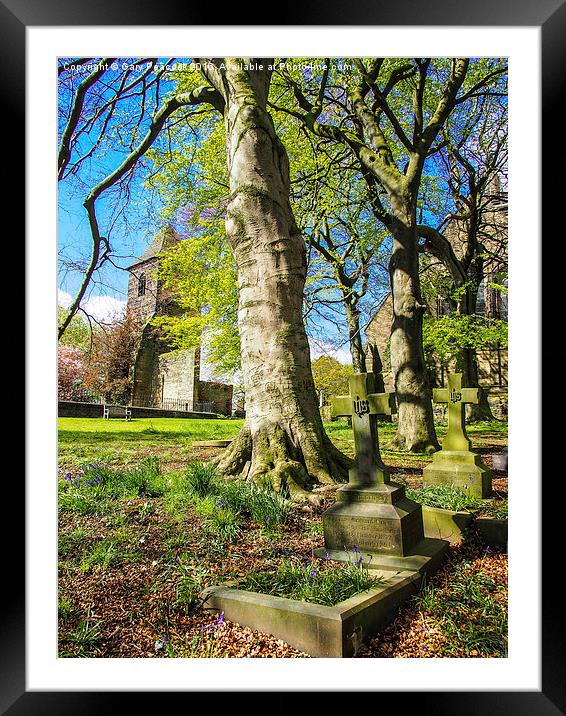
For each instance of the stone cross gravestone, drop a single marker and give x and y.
(456, 397)
(456, 464)
(372, 518)
(364, 407)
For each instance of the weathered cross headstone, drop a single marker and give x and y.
(372, 517)
(456, 464)
(364, 407)
(456, 397)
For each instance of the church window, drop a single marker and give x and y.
(141, 285)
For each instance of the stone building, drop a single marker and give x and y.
(491, 303)
(163, 378)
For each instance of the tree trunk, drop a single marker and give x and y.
(355, 338)
(377, 370)
(415, 429)
(468, 359)
(283, 439)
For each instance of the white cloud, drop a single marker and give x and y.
(324, 348)
(102, 308)
(63, 299)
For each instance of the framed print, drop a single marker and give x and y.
(530, 678)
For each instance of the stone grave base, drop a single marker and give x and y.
(318, 630)
(374, 518)
(445, 524)
(423, 558)
(461, 469)
(211, 443)
(492, 531)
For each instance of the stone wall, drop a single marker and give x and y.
(143, 306)
(70, 409)
(379, 329)
(177, 374)
(493, 369)
(145, 386)
(219, 394)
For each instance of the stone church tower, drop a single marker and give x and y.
(158, 378)
(163, 378)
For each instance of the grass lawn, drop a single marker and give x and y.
(127, 442)
(170, 439)
(148, 526)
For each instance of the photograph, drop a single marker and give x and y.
(283, 322)
(282, 357)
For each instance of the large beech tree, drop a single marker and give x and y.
(283, 438)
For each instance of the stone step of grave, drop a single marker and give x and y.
(374, 527)
(389, 493)
(376, 518)
(425, 557)
(462, 469)
(211, 443)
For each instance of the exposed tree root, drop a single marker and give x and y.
(481, 411)
(233, 459)
(274, 454)
(402, 443)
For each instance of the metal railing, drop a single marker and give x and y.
(180, 404)
(81, 395)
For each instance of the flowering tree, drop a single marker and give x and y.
(70, 372)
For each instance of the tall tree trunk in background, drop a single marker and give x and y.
(283, 438)
(370, 144)
(469, 273)
(467, 362)
(355, 337)
(415, 429)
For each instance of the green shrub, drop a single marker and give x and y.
(93, 482)
(75, 500)
(223, 524)
(103, 555)
(264, 505)
(200, 479)
(84, 637)
(205, 506)
(145, 480)
(110, 553)
(191, 580)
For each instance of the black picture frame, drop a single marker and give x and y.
(15, 16)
